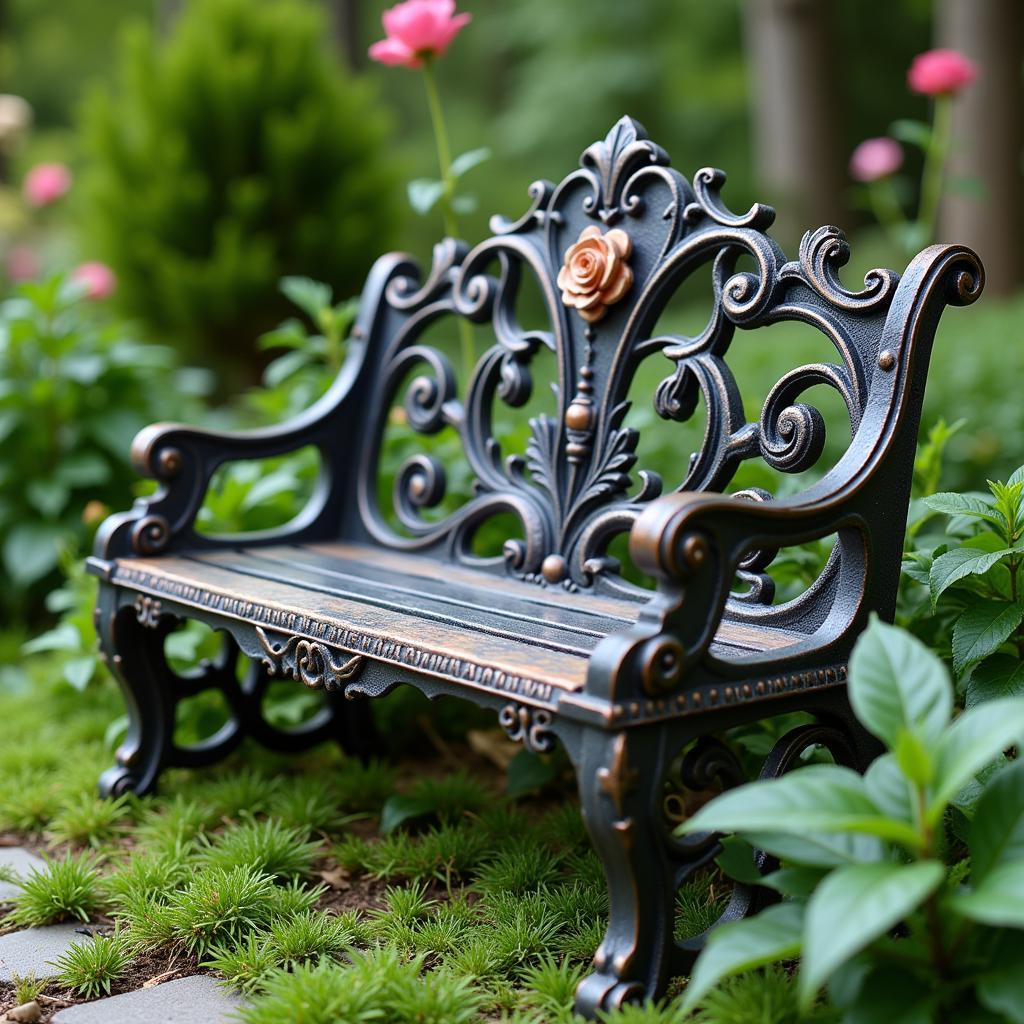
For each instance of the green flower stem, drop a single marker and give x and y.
(451, 226)
(934, 165)
(887, 211)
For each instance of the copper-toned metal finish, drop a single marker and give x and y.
(377, 581)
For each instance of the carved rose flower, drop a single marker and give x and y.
(595, 273)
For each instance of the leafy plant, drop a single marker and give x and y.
(90, 968)
(863, 856)
(297, 182)
(266, 846)
(88, 820)
(975, 575)
(63, 444)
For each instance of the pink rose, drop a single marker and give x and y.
(98, 279)
(22, 263)
(417, 29)
(941, 72)
(46, 183)
(875, 158)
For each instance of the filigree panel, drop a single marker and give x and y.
(608, 246)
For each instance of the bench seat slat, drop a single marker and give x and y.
(381, 598)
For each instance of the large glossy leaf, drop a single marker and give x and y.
(852, 908)
(998, 899)
(982, 629)
(1000, 676)
(820, 849)
(817, 798)
(772, 935)
(954, 565)
(977, 737)
(889, 788)
(897, 683)
(997, 831)
(1001, 988)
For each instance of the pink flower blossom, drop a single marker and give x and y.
(98, 279)
(941, 72)
(417, 29)
(22, 263)
(46, 183)
(875, 158)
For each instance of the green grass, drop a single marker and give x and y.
(477, 908)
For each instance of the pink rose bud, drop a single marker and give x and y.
(46, 183)
(875, 158)
(98, 279)
(22, 263)
(417, 29)
(941, 72)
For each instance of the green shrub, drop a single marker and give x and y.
(232, 154)
(886, 902)
(74, 389)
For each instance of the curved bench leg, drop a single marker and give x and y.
(621, 788)
(132, 641)
(622, 778)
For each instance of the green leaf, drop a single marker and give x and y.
(998, 900)
(977, 737)
(78, 671)
(897, 683)
(467, 161)
(772, 935)
(889, 788)
(1001, 988)
(817, 798)
(820, 849)
(63, 637)
(424, 194)
(85, 469)
(982, 629)
(312, 297)
(999, 676)
(997, 830)
(31, 550)
(954, 565)
(952, 504)
(47, 496)
(913, 758)
(527, 772)
(916, 133)
(1017, 476)
(891, 994)
(796, 883)
(400, 808)
(737, 861)
(853, 907)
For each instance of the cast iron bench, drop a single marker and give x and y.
(371, 587)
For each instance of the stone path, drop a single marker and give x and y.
(27, 952)
(186, 1001)
(21, 862)
(183, 1001)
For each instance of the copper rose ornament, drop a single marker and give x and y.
(595, 273)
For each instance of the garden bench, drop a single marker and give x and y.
(378, 583)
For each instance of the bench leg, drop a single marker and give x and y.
(132, 642)
(622, 779)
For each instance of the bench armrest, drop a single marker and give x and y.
(183, 459)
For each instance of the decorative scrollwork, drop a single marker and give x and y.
(309, 662)
(572, 486)
(531, 726)
(151, 534)
(148, 610)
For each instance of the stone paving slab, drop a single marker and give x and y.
(27, 952)
(196, 1000)
(21, 861)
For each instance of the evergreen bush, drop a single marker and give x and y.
(232, 153)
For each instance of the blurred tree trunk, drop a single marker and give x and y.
(987, 136)
(796, 111)
(346, 24)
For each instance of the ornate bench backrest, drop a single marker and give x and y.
(609, 246)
